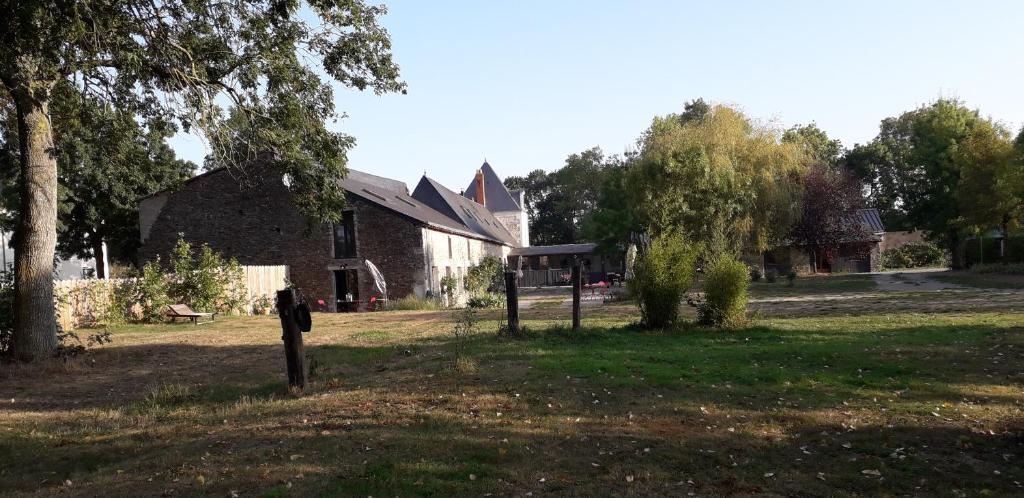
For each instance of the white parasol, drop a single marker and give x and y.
(378, 279)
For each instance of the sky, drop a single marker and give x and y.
(526, 83)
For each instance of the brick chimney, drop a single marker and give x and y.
(480, 187)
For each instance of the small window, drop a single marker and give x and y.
(450, 248)
(345, 236)
(469, 251)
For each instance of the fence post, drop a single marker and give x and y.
(294, 352)
(576, 284)
(512, 301)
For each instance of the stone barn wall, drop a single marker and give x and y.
(258, 224)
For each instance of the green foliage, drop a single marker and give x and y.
(486, 300)
(143, 296)
(815, 142)
(725, 293)
(661, 275)
(755, 273)
(558, 203)
(414, 303)
(722, 180)
(449, 286)
(915, 255)
(991, 189)
(205, 281)
(1008, 269)
(485, 276)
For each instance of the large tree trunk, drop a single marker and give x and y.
(35, 326)
(98, 254)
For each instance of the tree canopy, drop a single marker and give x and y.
(246, 74)
(722, 179)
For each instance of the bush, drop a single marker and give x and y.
(661, 275)
(725, 293)
(914, 255)
(485, 300)
(485, 276)
(1009, 269)
(755, 273)
(791, 278)
(412, 302)
(206, 282)
(141, 297)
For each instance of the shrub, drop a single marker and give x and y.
(206, 282)
(791, 278)
(485, 300)
(914, 255)
(142, 297)
(485, 276)
(725, 293)
(755, 273)
(412, 302)
(661, 275)
(1010, 269)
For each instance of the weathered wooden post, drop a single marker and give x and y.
(576, 287)
(294, 353)
(512, 301)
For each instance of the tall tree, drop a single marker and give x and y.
(722, 180)
(828, 214)
(913, 161)
(182, 61)
(991, 190)
(558, 202)
(106, 161)
(815, 142)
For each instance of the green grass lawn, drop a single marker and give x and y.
(982, 280)
(860, 404)
(803, 286)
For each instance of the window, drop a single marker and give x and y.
(469, 251)
(449, 248)
(345, 236)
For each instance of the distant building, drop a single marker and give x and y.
(856, 256)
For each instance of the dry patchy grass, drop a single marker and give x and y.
(856, 402)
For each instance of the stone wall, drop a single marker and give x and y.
(259, 225)
(465, 253)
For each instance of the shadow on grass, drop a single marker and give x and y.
(607, 410)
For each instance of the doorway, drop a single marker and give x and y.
(346, 290)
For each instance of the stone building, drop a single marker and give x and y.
(858, 256)
(413, 239)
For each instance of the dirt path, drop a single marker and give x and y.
(911, 282)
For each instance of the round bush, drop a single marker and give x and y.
(725, 293)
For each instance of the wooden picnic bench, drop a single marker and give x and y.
(176, 311)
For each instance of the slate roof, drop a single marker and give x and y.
(469, 213)
(871, 220)
(386, 196)
(496, 196)
(555, 249)
(378, 181)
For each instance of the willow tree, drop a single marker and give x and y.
(185, 63)
(721, 179)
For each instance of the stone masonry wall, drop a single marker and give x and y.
(259, 225)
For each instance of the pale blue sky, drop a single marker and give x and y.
(528, 83)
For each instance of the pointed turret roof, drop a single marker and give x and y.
(496, 197)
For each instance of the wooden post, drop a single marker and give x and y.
(576, 287)
(294, 353)
(512, 301)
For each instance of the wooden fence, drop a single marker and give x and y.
(86, 302)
